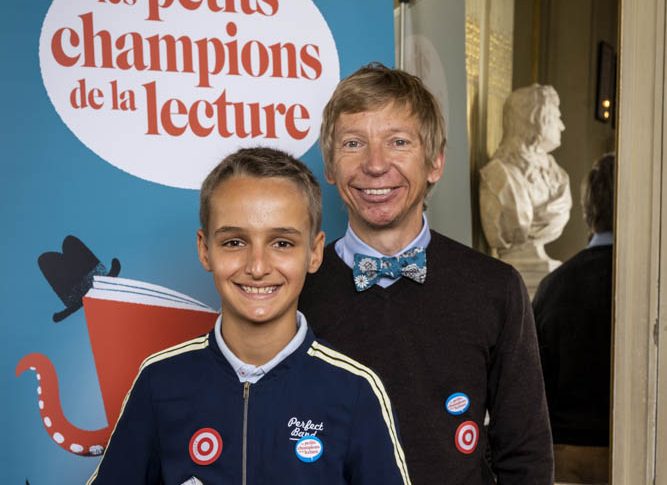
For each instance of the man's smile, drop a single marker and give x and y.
(384, 191)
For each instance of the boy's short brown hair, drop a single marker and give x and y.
(263, 162)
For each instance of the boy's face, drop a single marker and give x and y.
(259, 248)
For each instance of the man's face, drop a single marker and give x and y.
(259, 248)
(551, 127)
(380, 170)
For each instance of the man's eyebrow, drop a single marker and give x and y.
(387, 130)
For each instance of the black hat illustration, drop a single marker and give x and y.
(71, 272)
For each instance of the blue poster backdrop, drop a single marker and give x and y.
(97, 184)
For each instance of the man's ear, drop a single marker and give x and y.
(435, 169)
(316, 252)
(202, 250)
(329, 175)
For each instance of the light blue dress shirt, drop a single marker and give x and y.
(253, 373)
(601, 239)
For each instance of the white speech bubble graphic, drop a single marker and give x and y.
(164, 89)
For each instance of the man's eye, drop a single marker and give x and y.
(401, 142)
(351, 144)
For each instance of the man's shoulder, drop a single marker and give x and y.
(587, 264)
(450, 255)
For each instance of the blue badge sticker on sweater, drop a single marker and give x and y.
(457, 403)
(309, 449)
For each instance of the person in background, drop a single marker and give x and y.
(449, 330)
(572, 308)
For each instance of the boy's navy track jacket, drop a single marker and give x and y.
(187, 415)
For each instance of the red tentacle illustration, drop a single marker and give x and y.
(75, 440)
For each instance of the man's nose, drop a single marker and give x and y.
(376, 162)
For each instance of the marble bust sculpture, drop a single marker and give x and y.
(525, 196)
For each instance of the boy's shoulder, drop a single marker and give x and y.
(179, 357)
(338, 368)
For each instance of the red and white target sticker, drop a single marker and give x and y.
(205, 446)
(467, 437)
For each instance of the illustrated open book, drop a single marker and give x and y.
(128, 320)
(134, 291)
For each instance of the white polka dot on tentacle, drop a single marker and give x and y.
(96, 449)
(41, 404)
(47, 421)
(58, 438)
(76, 448)
(39, 390)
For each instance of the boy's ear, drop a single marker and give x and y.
(202, 250)
(316, 252)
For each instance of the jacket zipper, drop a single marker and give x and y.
(246, 398)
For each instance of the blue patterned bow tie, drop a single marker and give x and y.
(368, 270)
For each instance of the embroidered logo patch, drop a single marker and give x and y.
(457, 403)
(301, 428)
(467, 437)
(205, 446)
(309, 449)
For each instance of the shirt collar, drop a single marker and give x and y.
(350, 244)
(605, 238)
(252, 373)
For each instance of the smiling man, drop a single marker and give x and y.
(449, 330)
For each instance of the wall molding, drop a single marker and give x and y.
(639, 246)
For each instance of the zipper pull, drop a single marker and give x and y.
(246, 389)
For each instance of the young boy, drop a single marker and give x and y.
(258, 399)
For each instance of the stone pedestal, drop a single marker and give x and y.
(532, 262)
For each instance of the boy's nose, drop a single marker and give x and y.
(258, 263)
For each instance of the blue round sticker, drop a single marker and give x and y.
(457, 403)
(309, 449)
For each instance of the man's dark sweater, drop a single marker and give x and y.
(573, 315)
(469, 328)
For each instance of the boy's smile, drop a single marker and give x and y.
(259, 249)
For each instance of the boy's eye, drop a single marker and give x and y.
(232, 243)
(283, 244)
